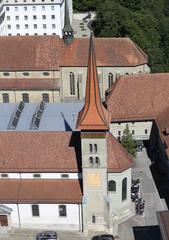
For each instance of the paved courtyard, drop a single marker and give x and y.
(149, 193)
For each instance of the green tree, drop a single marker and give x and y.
(128, 142)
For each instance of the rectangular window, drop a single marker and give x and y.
(25, 8)
(119, 123)
(25, 97)
(9, 26)
(8, 17)
(93, 219)
(34, 17)
(16, 8)
(43, 8)
(35, 210)
(26, 26)
(35, 26)
(7, 8)
(45, 97)
(132, 132)
(62, 210)
(26, 17)
(52, 8)
(17, 26)
(43, 17)
(44, 25)
(53, 25)
(53, 16)
(119, 133)
(34, 8)
(146, 131)
(17, 17)
(5, 97)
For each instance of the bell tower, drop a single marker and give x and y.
(93, 122)
(67, 31)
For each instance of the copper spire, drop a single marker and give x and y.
(93, 116)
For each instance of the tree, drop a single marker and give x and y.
(128, 142)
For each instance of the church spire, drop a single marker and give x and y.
(93, 116)
(67, 31)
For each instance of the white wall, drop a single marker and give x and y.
(138, 128)
(116, 197)
(43, 175)
(49, 216)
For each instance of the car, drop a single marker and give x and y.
(103, 237)
(47, 235)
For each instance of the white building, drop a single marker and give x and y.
(33, 17)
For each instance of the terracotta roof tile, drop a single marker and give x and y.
(119, 159)
(49, 53)
(39, 152)
(40, 191)
(141, 96)
(109, 52)
(52, 152)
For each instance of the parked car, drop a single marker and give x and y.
(103, 237)
(47, 235)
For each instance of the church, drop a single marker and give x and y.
(54, 69)
(76, 179)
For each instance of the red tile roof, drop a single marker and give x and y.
(49, 53)
(93, 115)
(40, 191)
(29, 83)
(119, 159)
(38, 152)
(52, 152)
(138, 97)
(109, 52)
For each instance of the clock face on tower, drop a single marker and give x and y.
(93, 179)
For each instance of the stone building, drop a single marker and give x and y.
(141, 101)
(73, 179)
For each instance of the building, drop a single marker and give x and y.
(75, 179)
(141, 101)
(27, 17)
(35, 68)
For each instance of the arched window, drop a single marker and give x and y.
(91, 161)
(90, 148)
(95, 148)
(25, 97)
(72, 83)
(97, 161)
(110, 79)
(45, 97)
(5, 97)
(124, 189)
(112, 186)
